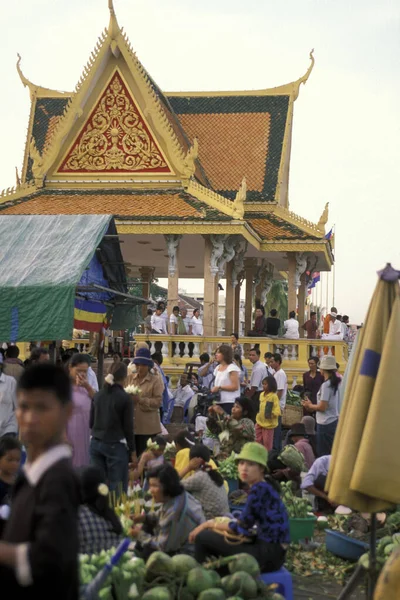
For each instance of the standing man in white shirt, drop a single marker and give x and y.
(164, 314)
(158, 323)
(335, 329)
(173, 321)
(268, 356)
(8, 403)
(258, 373)
(196, 322)
(281, 383)
(186, 320)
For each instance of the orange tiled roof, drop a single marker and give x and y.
(138, 205)
(273, 228)
(231, 146)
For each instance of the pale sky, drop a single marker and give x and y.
(346, 124)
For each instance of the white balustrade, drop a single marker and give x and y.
(196, 350)
(294, 381)
(314, 351)
(285, 352)
(186, 350)
(164, 350)
(330, 353)
(293, 354)
(321, 351)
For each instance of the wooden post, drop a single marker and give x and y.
(249, 273)
(229, 300)
(291, 282)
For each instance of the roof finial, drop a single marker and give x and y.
(240, 198)
(25, 81)
(113, 27)
(306, 75)
(323, 219)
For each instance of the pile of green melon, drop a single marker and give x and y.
(177, 578)
(182, 578)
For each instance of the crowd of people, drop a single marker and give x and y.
(83, 442)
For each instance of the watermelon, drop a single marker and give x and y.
(212, 594)
(244, 562)
(199, 580)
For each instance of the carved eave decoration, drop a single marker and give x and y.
(113, 41)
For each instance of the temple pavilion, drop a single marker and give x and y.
(197, 181)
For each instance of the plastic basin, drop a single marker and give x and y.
(344, 546)
(301, 529)
(233, 485)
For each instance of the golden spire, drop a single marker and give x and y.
(113, 27)
(25, 81)
(17, 177)
(323, 219)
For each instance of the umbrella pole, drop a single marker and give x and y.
(372, 559)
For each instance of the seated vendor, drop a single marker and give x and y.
(184, 441)
(314, 483)
(263, 528)
(99, 527)
(298, 437)
(152, 458)
(206, 484)
(239, 425)
(167, 529)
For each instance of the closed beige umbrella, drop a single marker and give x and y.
(365, 467)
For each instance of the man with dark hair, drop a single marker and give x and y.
(258, 373)
(13, 365)
(40, 546)
(39, 355)
(206, 371)
(273, 323)
(260, 324)
(311, 326)
(173, 321)
(281, 384)
(268, 356)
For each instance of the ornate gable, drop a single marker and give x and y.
(115, 138)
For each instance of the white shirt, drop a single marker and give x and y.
(158, 323)
(173, 320)
(222, 378)
(258, 373)
(320, 467)
(197, 326)
(281, 382)
(327, 394)
(271, 371)
(182, 395)
(187, 322)
(8, 404)
(292, 329)
(335, 328)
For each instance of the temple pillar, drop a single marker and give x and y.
(302, 303)
(173, 286)
(249, 269)
(236, 312)
(209, 290)
(146, 275)
(229, 300)
(215, 306)
(292, 299)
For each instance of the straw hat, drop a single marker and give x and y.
(328, 363)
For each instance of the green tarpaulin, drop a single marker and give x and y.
(42, 259)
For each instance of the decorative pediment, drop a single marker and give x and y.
(115, 137)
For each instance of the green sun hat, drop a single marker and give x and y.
(254, 452)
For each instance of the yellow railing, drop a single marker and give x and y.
(178, 350)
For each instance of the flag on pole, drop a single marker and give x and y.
(89, 315)
(328, 236)
(315, 279)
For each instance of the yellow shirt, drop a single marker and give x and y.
(276, 411)
(182, 460)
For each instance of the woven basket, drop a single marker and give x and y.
(292, 415)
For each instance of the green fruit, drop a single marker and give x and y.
(216, 579)
(240, 583)
(234, 598)
(212, 594)
(158, 563)
(157, 593)
(199, 580)
(185, 595)
(182, 564)
(244, 562)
